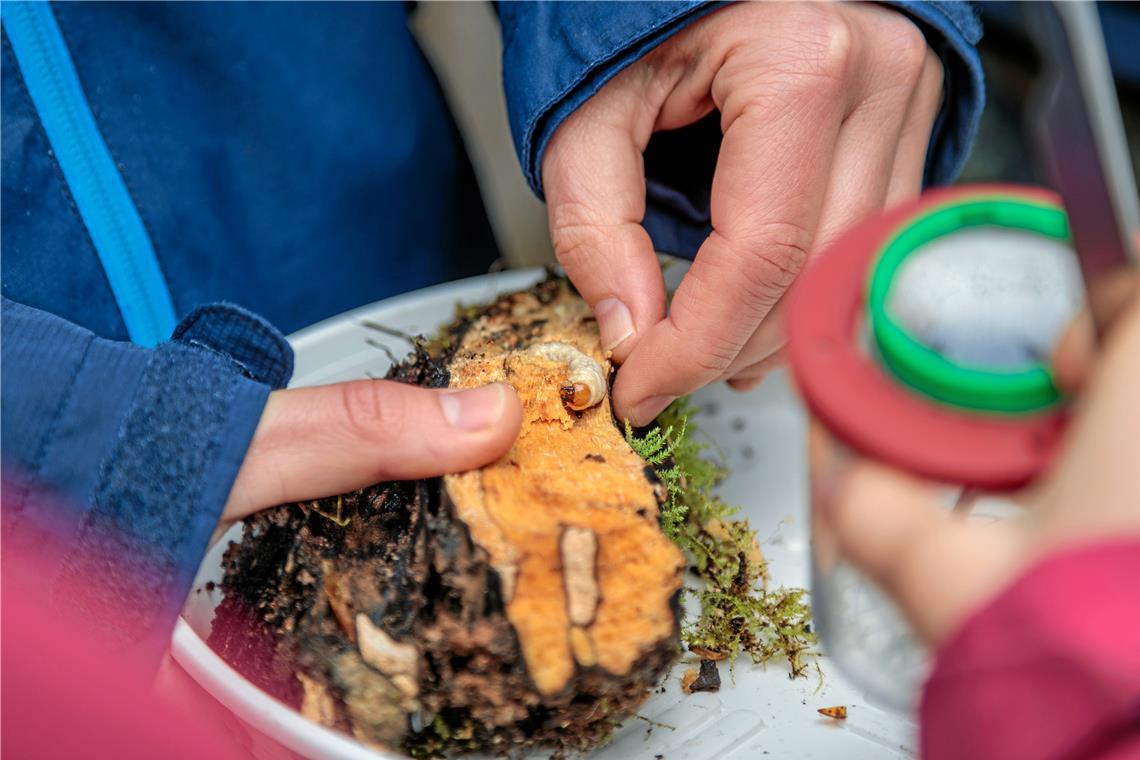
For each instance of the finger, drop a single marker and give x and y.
(594, 179)
(1073, 353)
(869, 142)
(937, 569)
(914, 140)
(749, 377)
(876, 164)
(767, 192)
(315, 442)
(879, 156)
(766, 342)
(1094, 485)
(746, 384)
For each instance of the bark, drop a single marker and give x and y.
(533, 601)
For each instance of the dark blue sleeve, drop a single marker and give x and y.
(121, 458)
(557, 55)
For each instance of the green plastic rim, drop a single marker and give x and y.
(1011, 391)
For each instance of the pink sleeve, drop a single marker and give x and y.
(1049, 669)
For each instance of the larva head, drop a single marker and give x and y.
(576, 396)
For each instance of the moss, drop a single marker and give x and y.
(739, 613)
(449, 732)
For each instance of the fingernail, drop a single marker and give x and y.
(614, 322)
(475, 409)
(647, 411)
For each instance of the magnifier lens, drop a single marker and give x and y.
(988, 297)
(967, 300)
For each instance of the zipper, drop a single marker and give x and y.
(115, 227)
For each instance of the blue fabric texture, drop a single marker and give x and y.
(557, 55)
(139, 446)
(296, 159)
(100, 195)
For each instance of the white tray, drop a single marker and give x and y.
(758, 711)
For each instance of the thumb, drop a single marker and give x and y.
(316, 442)
(936, 566)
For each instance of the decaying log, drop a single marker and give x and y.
(533, 601)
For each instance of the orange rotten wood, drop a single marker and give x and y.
(532, 601)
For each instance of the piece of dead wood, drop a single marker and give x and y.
(532, 601)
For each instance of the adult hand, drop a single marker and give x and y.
(315, 442)
(826, 110)
(940, 569)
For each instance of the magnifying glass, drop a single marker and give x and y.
(922, 338)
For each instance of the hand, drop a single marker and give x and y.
(940, 569)
(826, 111)
(315, 442)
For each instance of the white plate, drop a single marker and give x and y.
(758, 711)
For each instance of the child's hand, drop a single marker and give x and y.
(940, 569)
(315, 442)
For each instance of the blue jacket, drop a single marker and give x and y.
(293, 161)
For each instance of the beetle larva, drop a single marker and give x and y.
(585, 384)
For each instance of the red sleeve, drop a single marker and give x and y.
(1049, 669)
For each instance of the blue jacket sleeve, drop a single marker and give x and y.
(557, 55)
(118, 459)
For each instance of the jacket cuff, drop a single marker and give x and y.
(138, 456)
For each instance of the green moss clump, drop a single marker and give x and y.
(738, 612)
(448, 733)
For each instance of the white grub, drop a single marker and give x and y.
(400, 662)
(579, 547)
(585, 384)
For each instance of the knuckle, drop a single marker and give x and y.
(912, 44)
(573, 245)
(715, 356)
(579, 213)
(904, 51)
(836, 45)
(581, 239)
(825, 42)
(574, 228)
(773, 256)
(817, 59)
(707, 354)
(371, 410)
(811, 57)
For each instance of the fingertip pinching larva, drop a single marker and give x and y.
(585, 383)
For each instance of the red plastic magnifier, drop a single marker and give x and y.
(885, 394)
